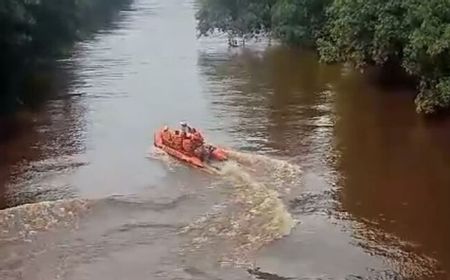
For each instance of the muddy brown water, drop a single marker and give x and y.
(330, 178)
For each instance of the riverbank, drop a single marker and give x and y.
(409, 34)
(36, 33)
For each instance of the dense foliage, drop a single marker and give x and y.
(36, 31)
(235, 17)
(299, 22)
(410, 33)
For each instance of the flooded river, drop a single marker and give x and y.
(329, 178)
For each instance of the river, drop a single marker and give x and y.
(330, 178)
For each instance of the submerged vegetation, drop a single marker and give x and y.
(35, 32)
(412, 34)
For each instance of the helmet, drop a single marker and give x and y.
(183, 124)
(166, 128)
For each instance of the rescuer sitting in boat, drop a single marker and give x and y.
(193, 141)
(198, 144)
(167, 136)
(177, 140)
(185, 129)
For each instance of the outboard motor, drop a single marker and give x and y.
(208, 152)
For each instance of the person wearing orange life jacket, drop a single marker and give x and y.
(197, 138)
(185, 130)
(192, 140)
(188, 146)
(198, 147)
(166, 136)
(177, 141)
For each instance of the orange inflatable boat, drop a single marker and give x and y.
(210, 153)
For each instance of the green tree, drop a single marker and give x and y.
(299, 22)
(427, 52)
(34, 32)
(241, 18)
(412, 33)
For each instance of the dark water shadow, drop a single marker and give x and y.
(382, 162)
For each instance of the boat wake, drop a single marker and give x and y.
(276, 173)
(24, 221)
(253, 216)
(254, 213)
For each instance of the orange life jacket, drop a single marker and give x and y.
(197, 139)
(187, 146)
(177, 141)
(167, 138)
